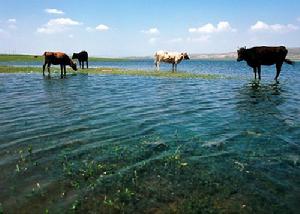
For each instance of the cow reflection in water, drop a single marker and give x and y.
(258, 106)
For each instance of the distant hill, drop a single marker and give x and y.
(217, 56)
(294, 54)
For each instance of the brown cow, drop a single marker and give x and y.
(58, 58)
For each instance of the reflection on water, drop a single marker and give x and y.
(124, 144)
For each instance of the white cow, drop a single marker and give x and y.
(169, 57)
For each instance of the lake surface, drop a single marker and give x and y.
(111, 143)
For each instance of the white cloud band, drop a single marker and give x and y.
(57, 25)
(262, 26)
(222, 26)
(54, 11)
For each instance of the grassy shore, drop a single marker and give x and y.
(111, 71)
(20, 58)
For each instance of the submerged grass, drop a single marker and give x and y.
(114, 71)
(144, 179)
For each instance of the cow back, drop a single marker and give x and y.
(264, 55)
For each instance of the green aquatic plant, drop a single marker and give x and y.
(125, 196)
(1, 209)
(29, 149)
(75, 205)
(110, 202)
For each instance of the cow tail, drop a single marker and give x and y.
(290, 62)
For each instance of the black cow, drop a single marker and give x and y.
(82, 57)
(257, 56)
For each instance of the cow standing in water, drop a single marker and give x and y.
(82, 57)
(258, 56)
(169, 57)
(58, 58)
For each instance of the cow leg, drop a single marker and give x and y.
(44, 69)
(157, 65)
(254, 70)
(61, 71)
(87, 64)
(65, 73)
(48, 66)
(82, 64)
(278, 69)
(259, 72)
(175, 67)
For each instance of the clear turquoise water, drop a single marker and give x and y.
(189, 144)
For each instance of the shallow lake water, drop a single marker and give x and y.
(111, 143)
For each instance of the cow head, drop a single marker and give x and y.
(73, 65)
(75, 56)
(185, 55)
(241, 54)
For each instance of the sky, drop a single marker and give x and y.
(118, 28)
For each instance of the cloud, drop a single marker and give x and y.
(262, 26)
(57, 25)
(102, 27)
(222, 26)
(151, 31)
(54, 11)
(12, 23)
(12, 20)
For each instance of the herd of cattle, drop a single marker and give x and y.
(255, 58)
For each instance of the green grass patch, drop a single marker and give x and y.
(20, 58)
(12, 69)
(112, 71)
